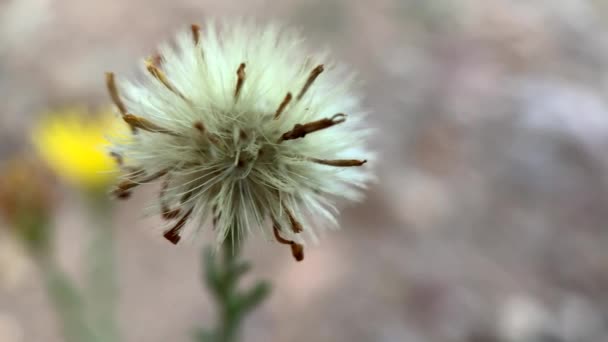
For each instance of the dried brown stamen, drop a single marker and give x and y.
(122, 195)
(139, 122)
(166, 212)
(242, 134)
(297, 250)
(161, 77)
(296, 226)
(300, 130)
(199, 126)
(122, 189)
(339, 162)
(173, 234)
(113, 90)
(156, 59)
(195, 33)
(117, 158)
(170, 214)
(282, 106)
(240, 74)
(311, 78)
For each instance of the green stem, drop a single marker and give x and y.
(229, 323)
(68, 304)
(101, 267)
(222, 278)
(65, 299)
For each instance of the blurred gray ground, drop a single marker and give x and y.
(489, 222)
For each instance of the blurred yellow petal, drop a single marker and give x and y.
(74, 144)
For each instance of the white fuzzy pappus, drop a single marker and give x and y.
(246, 132)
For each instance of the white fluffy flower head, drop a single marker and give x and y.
(246, 132)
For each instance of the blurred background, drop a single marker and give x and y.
(489, 220)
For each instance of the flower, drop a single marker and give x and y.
(74, 143)
(247, 132)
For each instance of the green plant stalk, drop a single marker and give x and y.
(68, 304)
(65, 299)
(230, 321)
(222, 278)
(102, 287)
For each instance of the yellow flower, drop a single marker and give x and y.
(74, 144)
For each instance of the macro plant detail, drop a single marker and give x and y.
(245, 131)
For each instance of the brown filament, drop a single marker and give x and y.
(339, 162)
(195, 33)
(296, 226)
(142, 123)
(297, 250)
(173, 234)
(122, 189)
(122, 195)
(311, 78)
(199, 126)
(300, 130)
(117, 158)
(113, 90)
(156, 59)
(240, 73)
(282, 106)
(170, 214)
(161, 77)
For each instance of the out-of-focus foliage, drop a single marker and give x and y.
(26, 200)
(489, 219)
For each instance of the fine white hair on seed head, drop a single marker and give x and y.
(246, 132)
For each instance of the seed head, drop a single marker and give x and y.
(245, 131)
